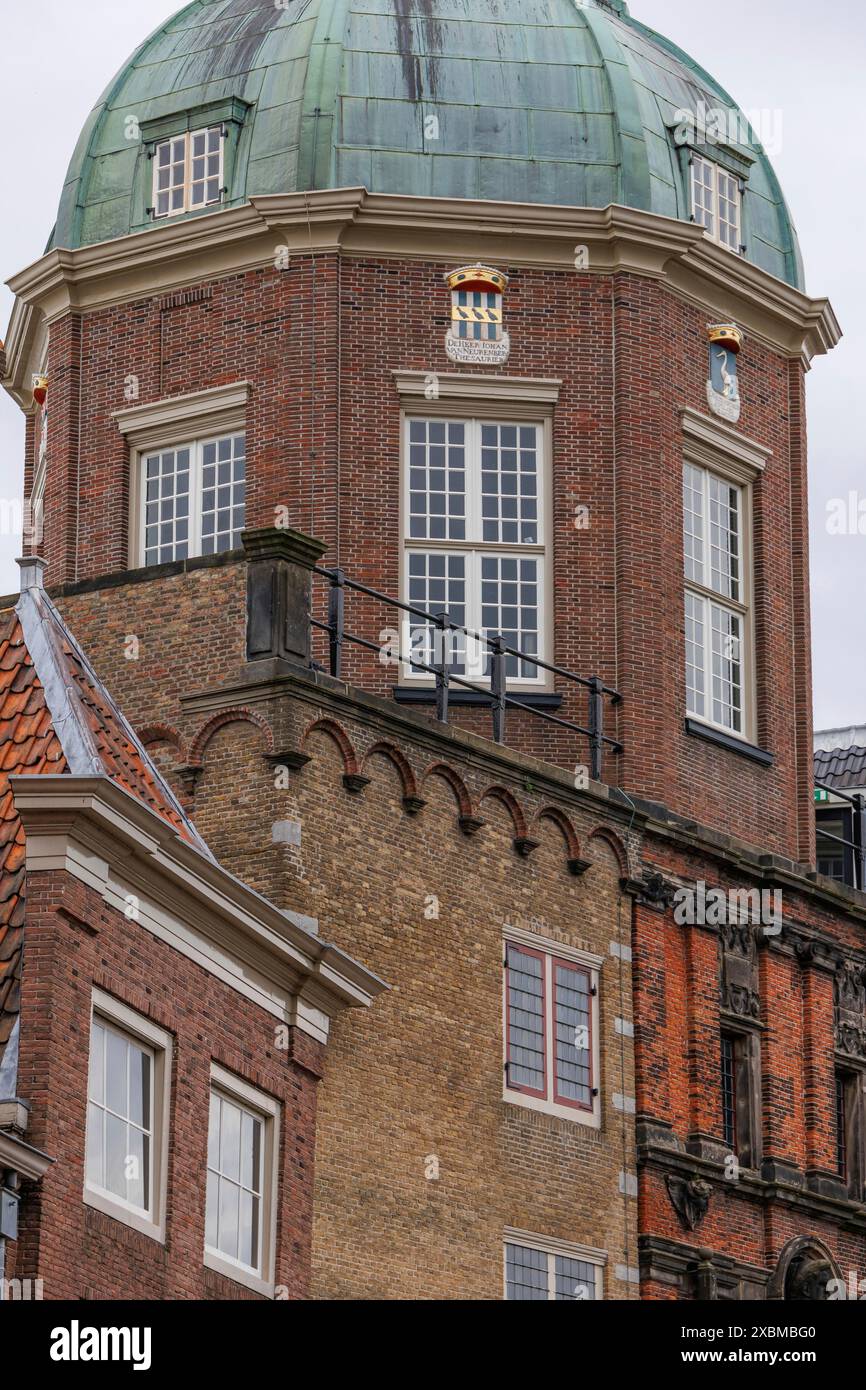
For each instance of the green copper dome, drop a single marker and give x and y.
(532, 101)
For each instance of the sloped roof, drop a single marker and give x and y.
(28, 745)
(842, 768)
(535, 101)
(56, 716)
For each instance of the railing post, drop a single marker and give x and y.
(336, 621)
(497, 687)
(596, 726)
(442, 626)
(858, 835)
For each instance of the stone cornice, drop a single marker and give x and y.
(706, 440)
(353, 222)
(102, 833)
(664, 1159)
(446, 741)
(209, 410)
(539, 392)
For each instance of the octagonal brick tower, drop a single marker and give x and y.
(474, 293)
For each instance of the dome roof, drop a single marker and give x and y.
(533, 101)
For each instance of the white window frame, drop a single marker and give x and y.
(144, 1034)
(551, 1247)
(188, 136)
(742, 606)
(699, 164)
(474, 550)
(546, 1105)
(164, 425)
(267, 1110)
(196, 448)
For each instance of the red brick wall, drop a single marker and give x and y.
(319, 343)
(75, 943)
(677, 1066)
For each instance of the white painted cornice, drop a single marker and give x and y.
(21, 1158)
(707, 440)
(350, 221)
(115, 844)
(413, 386)
(156, 422)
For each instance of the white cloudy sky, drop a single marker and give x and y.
(791, 57)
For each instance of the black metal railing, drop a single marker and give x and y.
(857, 844)
(444, 677)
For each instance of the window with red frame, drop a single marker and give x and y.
(548, 1027)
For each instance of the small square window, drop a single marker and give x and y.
(716, 202)
(188, 172)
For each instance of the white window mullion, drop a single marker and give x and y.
(473, 482)
(187, 172)
(551, 1278)
(549, 1008)
(195, 500)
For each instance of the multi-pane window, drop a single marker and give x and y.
(188, 172)
(850, 1108)
(715, 610)
(842, 1086)
(833, 858)
(548, 1027)
(729, 1091)
(235, 1182)
(739, 1088)
(242, 1177)
(120, 1118)
(474, 538)
(194, 499)
(546, 1275)
(716, 202)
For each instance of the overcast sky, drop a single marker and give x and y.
(799, 62)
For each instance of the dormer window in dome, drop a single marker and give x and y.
(188, 172)
(717, 202)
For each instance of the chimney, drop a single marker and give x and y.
(32, 572)
(280, 567)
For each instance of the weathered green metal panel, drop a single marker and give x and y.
(513, 100)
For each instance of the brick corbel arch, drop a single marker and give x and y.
(163, 733)
(382, 749)
(523, 842)
(610, 838)
(576, 865)
(338, 735)
(460, 790)
(238, 715)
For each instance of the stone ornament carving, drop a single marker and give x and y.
(656, 891)
(477, 334)
(723, 387)
(849, 989)
(690, 1198)
(806, 1272)
(738, 970)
